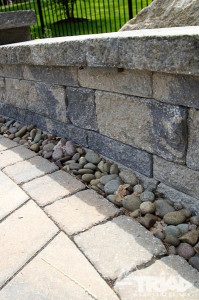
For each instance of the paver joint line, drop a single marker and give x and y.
(89, 293)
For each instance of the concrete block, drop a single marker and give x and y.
(142, 49)
(179, 197)
(2, 89)
(56, 75)
(12, 71)
(176, 89)
(192, 158)
(81, 107)
(130, 157)
(179, 177)
(137, 83)
(45, 99)
(143, 123)
(15, 19)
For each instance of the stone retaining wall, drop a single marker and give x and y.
(132, 96)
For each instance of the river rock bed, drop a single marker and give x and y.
(170, 222)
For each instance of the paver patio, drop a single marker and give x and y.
(59, 240)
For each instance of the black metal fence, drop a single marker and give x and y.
(76, 17)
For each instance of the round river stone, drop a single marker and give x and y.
(131, 202)
(174, 218)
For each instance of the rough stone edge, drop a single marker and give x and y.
(16, 19)
(178, 197)
(114, 50)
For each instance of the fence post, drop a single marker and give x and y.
(130, 9)
(40, 15)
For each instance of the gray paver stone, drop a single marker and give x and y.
(27, 170)
(11, 196)
(22, 234)
(14, 155)
(169, 278)
(60, 271)
(6, 144)
(119, 246)
(80, 211)
(52, 187)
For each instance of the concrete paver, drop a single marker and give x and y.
(119, 246)
(169, 278)
(50, 188)
(60, 271)
(22, 234)
(25, 171)
(7, 144)
(11, 196)
(70, 212)
(14, 155)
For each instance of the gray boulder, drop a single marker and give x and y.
(161, 14)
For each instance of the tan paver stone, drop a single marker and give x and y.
(6, 144)
(169, 278)
(11, 196)
(119, 246)
(27, 170)
(14, 155)
(60, 271)
(80, 211)
(21, 235)
(50, 188)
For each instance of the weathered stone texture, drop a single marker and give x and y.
(143, 123)
(156, 15)
(138, 83)
(192, 158)
(45, 99)
(15, 35)
(56, 75)
(176, 89)
(2, 89)
(179, 197)
(13, 19)
(119, 246)
(168, 278)
(130, 157)
(13, 71)
(177, 176)
(149, 50)
(154, 53)
(81, 107)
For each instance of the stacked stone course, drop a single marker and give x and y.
(131, 96)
